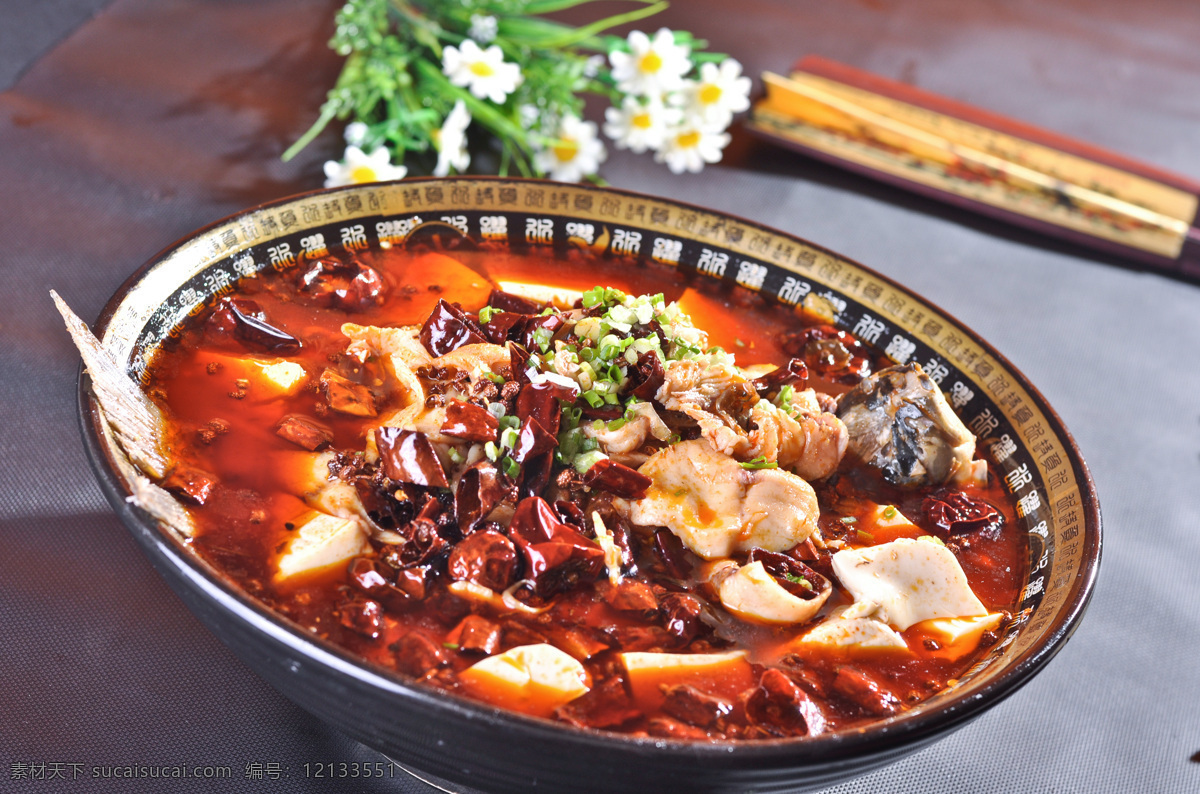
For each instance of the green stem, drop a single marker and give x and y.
(599, 26)
(424, 30)
(550, 6)
(505, 157)
(482, 111)
(545, 34)
(414, 104)
(329, 112)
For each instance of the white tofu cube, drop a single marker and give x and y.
(310, 478)
(559, 297)
(268, 379)
(952, 631)
(286, 377)
(723, 675)
(639, 663)
(322, 541)
(534, 678)
(889, 517)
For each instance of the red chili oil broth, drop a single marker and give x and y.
(253, 512)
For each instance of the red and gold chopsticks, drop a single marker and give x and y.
(982, 161)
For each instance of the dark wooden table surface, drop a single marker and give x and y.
(125, 124)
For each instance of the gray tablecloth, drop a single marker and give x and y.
(127, 124)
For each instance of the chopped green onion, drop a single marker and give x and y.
(451, 645)
(493, 377)
(867, 536)
(491, 451)
(890, 512)
(800, 580)
(589, 444)
(588, 459)
(455, 455)
(508, 438)
(570, 443)
(588, 328)
(759, 463)
(485, 314)
(608, 296)
(509, 422)
(739, 343)
(511, 467)
(617, 424)
(593, 398)
(645, 344)
(621, 315)
(848, 520)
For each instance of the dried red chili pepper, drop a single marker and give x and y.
(958, 513)
(448, 328)
(469, 422)
(408, 456)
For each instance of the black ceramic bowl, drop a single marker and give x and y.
(472, 744)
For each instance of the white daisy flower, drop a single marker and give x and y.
(452, 141)
(483, 28)
(577, 154)
(592, 66)
(528, 116)
(689, 146)
(720, 92)
(483, 72)
(358, 167)
(651, 67)
(639, 126)
(355, 133)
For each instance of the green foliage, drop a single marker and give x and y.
(393, 79)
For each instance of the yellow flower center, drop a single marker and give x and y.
(651, 62)
(567, 151)
(642, 121)
(362, 174)
(482, 69)
(710, 94)
(688, 140)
